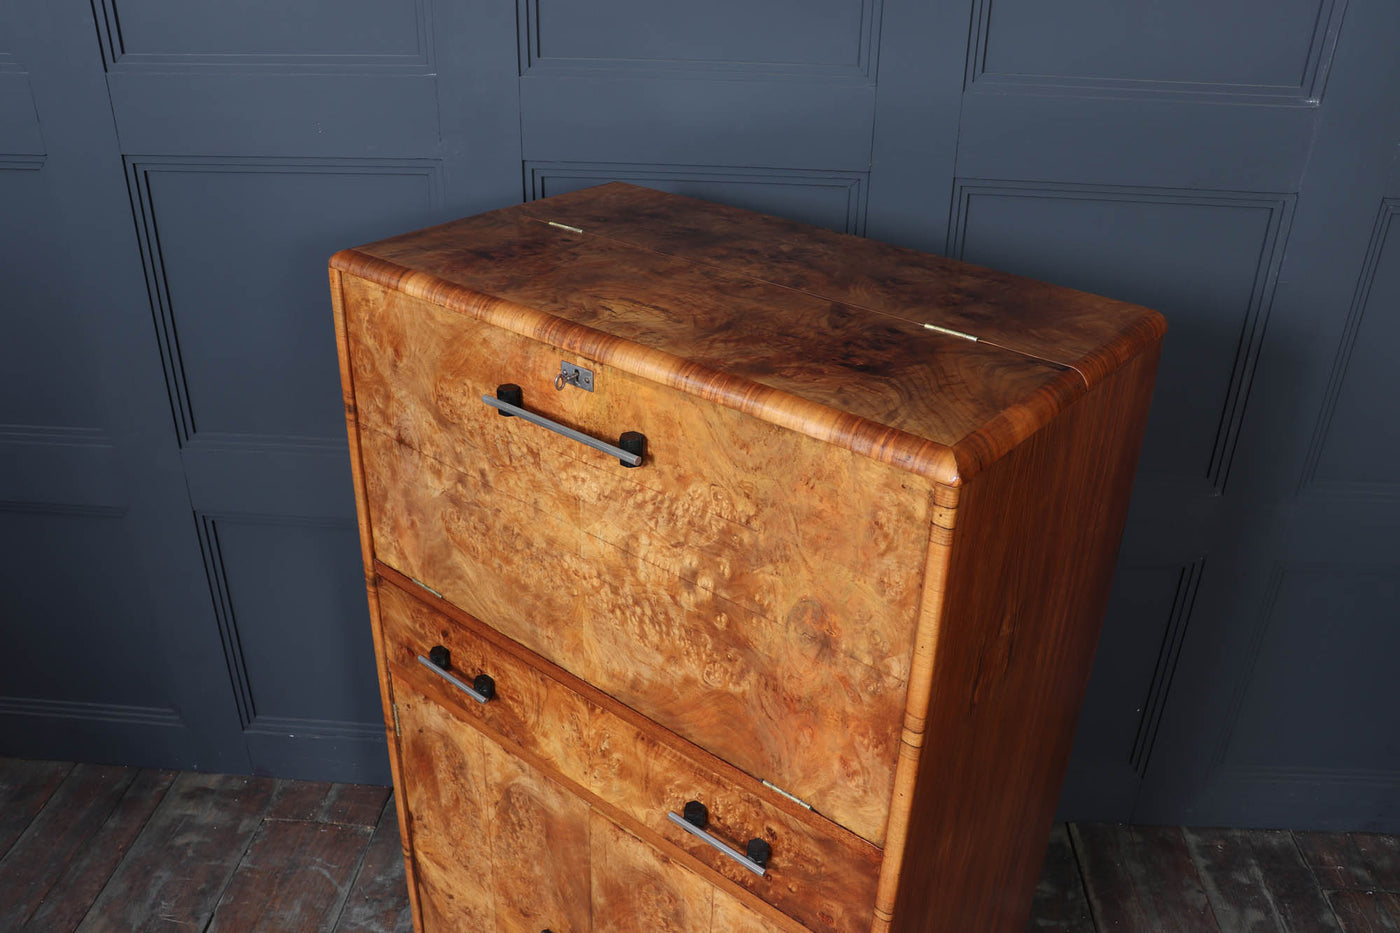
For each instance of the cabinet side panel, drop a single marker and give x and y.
(352, 427)
(1032, 556)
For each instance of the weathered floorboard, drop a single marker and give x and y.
(294, 878)
(1367, 911)
(1381, 855)
(378, 901)
(103, 847)
(25, 786)
(1258, 882)
(324, 802)
(1141, 878)
(1335, 860)
(71, 816)
(87, 870)
(1060, 904)
(175, 871)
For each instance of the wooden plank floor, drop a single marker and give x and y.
(102, 848)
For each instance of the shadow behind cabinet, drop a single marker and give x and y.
(814, 661)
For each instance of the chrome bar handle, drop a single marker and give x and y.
(628, 457)
(480, 696)
(758, 868)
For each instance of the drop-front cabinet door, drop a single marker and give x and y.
(499, 846)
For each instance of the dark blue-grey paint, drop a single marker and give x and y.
(176, 521)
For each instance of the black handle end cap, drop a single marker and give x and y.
(511, 394)
(696, 814)
(440, 656)
(634, 442)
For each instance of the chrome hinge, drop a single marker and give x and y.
(555, 223)
(395, 708)
(950, 332)
(427, 587)
(795, 799)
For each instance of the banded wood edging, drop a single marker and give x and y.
(949, 466)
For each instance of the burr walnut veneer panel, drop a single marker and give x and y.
(818, 873)
(848, 599)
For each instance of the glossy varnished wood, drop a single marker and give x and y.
(357, 475)
(540, 843)
(819, 874)
(719, 501)
(883, 387)
(778, 700)
(635, 891)
(865, 559)
(445, 789)
(821, 549)
(1014, 599)
(1090, 333)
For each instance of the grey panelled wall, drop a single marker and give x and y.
(177, 549)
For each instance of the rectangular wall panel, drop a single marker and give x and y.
(236, 253)
(1262, 50)
(60, 581)
(1354, 450)
(19, 121)
(1208, 262)
(289, 597)
(1318, 698)
(1148, 615)
(835, 200)
(242, 33)
(811, 36)
(769, 123)
(46, 377)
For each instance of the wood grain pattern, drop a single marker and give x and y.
(294, 878)
(378, 900)
(637, 890)
(885, 388)
(1060, 903)
(445, 783)
(1258, 882)
(778, 703)
(787, 526)
(1013, 631)
(1367, 911)
(1091, 333)
(728, 915)
(325, 802)
(25, 786)
(176, 870)
(865, 560)
(1142, 877)
(1381, 855)
(86, 872)
(357, 475)
(543, 831)
(1334, 860)
(819, 873)
(40, 867)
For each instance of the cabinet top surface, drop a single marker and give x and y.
(853, 341)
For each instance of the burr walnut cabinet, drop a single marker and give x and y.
(727, 573)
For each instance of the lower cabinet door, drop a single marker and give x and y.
(499, 847)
